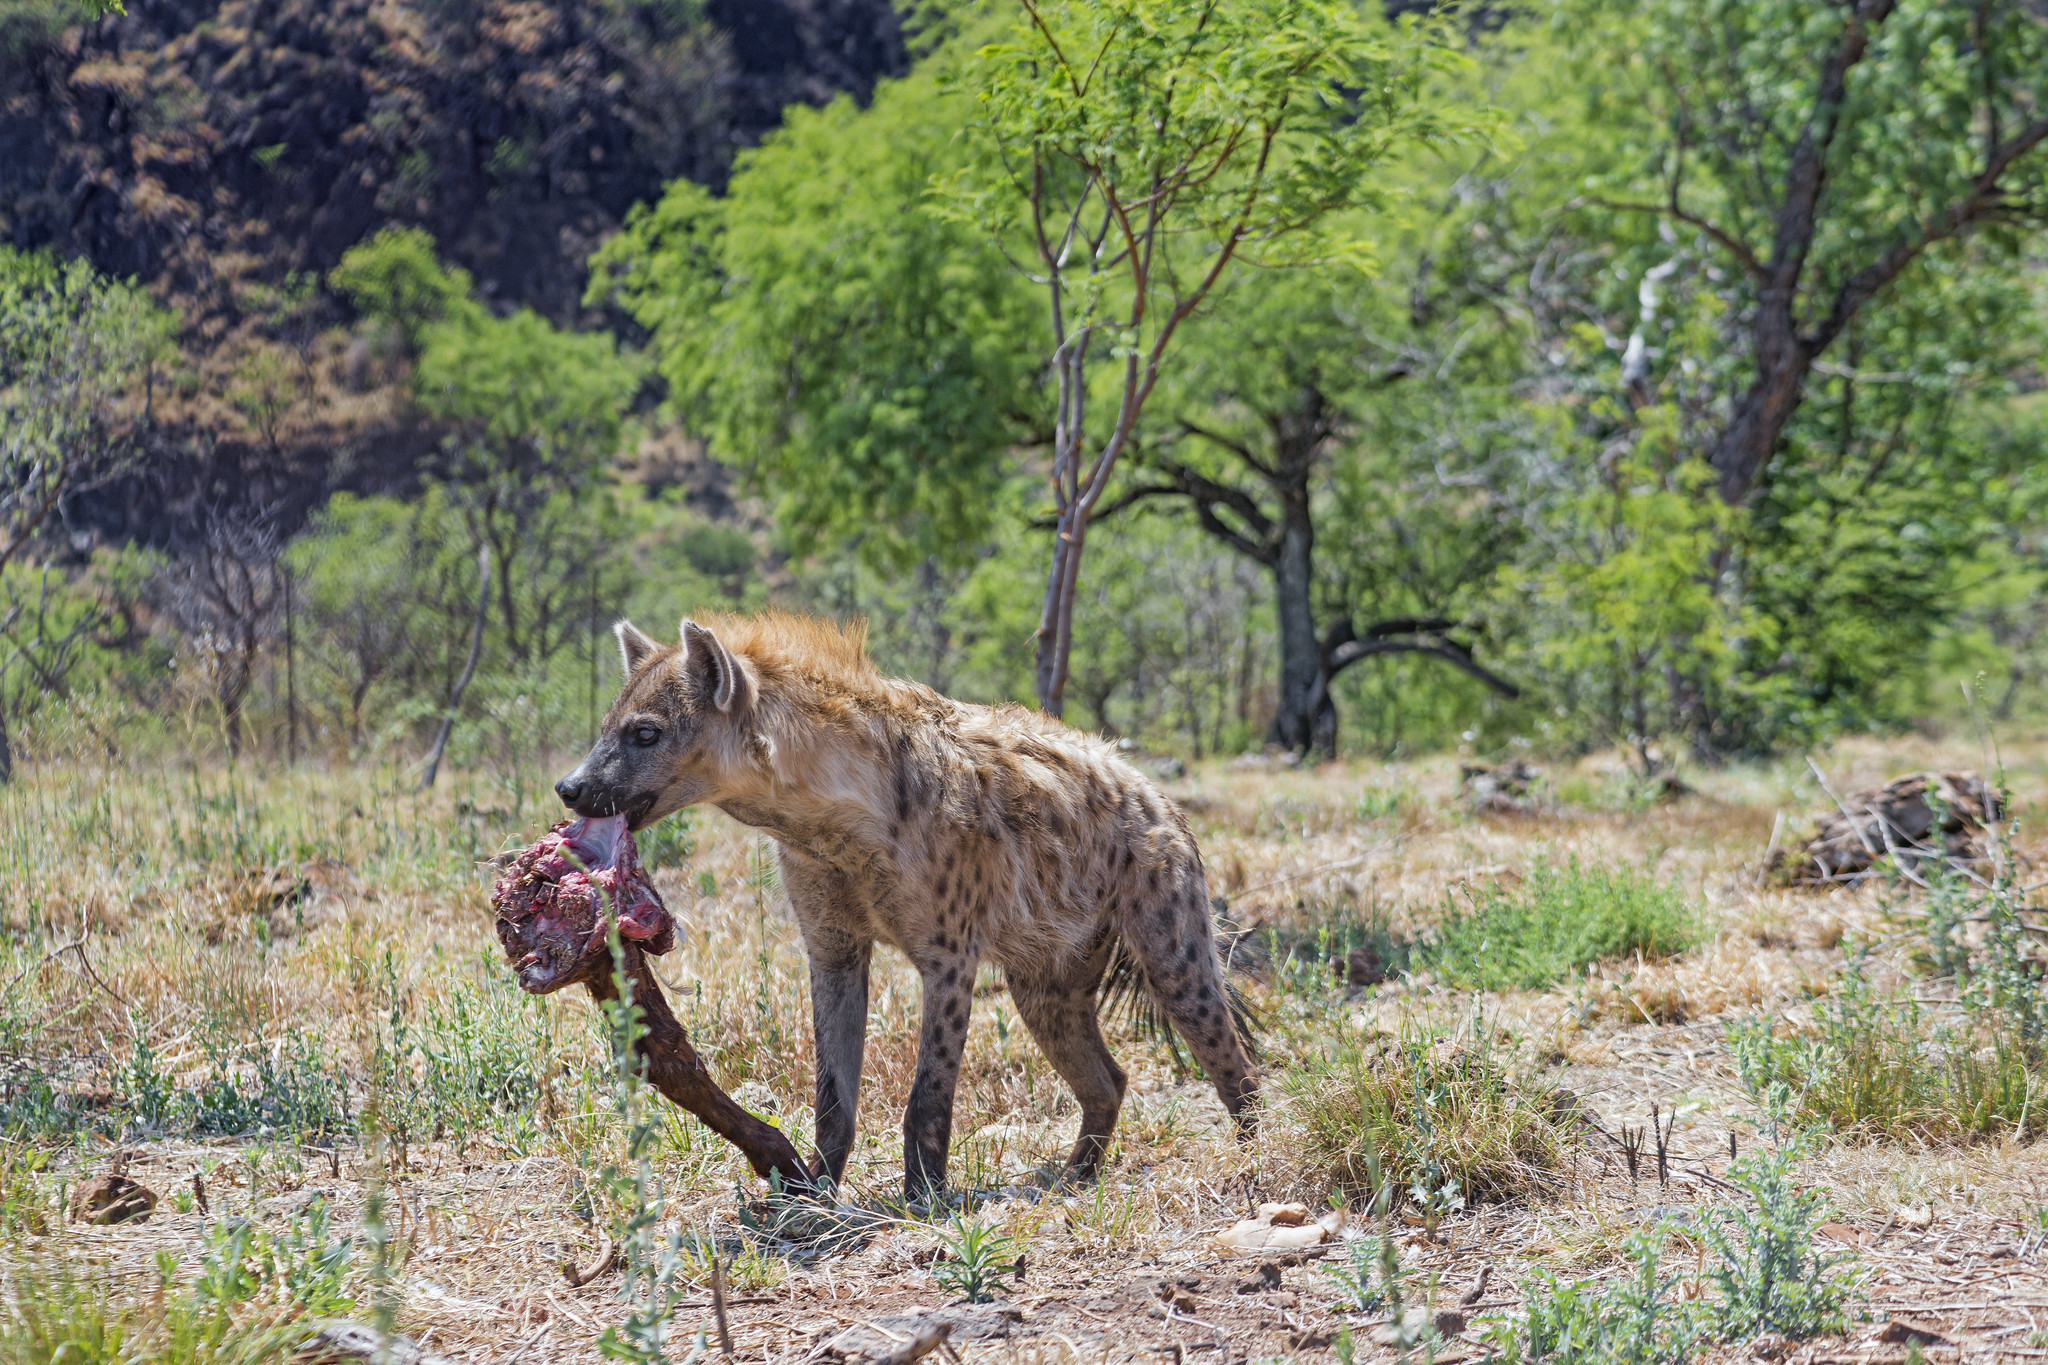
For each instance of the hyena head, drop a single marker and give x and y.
(672, 735)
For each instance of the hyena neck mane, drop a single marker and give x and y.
(827, 731)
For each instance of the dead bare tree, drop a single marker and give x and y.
(476, 649)
(225, 595)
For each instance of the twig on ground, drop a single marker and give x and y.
(607, 1254)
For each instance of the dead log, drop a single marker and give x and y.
(1916, 822)
(1510, 789)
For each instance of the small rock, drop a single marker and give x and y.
(1448, 1322)
(1921, 1216)
(756, 1098)
(1843, 1233)
(1770, 1346)
(1509, 789)
(1268, 1277)
(339, 1341)
(1283, 1215)
(112, 1198)
(1912, 1332)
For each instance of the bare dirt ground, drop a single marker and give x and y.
(483, 1211)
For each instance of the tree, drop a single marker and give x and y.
(1293, 414)
(363, 594)
(1823, 153)
(224, 595)
(866, 361)
(530, 416)
(1138, 152)
(77, 359)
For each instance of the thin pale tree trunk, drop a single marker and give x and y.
(476, 649)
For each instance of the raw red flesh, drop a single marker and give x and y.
(556, 898)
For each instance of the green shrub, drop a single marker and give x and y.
(1445, 1120)
(1877, 1068)
(976, 1260)
(1557, 923)
(1633, 1321)
(1770, 1278)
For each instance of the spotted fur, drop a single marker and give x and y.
(952, 832)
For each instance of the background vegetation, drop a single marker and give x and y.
(1461, 448)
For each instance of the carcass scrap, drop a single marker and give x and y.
(556, 900)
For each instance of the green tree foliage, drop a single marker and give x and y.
(869, 363)
(1818, 157)
(396, 278)
(1792, 262)
(1136, 153)
(77, 356)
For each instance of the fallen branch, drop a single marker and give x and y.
(607, 1257)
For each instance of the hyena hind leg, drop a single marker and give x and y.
(1061, 1014)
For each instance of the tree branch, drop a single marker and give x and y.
(1450, 651)
(1984, 199)
(1733, 245)
(1237, 448)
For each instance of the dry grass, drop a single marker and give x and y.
(265, 934)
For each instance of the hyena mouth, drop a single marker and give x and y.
(636, 813)
(557, 898)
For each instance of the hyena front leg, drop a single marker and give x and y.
(1061, 1013)
(828, 912)
(839, 1014)
(928, 1121)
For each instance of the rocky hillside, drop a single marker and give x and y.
(228, 152)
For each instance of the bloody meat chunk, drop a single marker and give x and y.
(555, 902)
(556, 899)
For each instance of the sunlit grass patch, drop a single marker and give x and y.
(1880, 1068)
(1561, 920)
(1438, 1117)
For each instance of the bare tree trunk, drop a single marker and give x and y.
(1301, 655)
(291, 680)
(476, 649)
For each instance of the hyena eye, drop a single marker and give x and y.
(646, 735)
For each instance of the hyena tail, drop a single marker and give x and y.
(1126, 991)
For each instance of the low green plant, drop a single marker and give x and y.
(1445, 1120)
(1770, 1277)
(57, 1319)
(24, 1198)
(1557, 923)
(303, 1265)
(1369, 1276)
(1632, 1321)
(668, 842)
(976, 1260)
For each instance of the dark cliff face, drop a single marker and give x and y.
(208, 142)
(227, 152)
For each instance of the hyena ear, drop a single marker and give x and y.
(633, 646)
(724, 678)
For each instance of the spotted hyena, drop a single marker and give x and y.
(952, 832)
